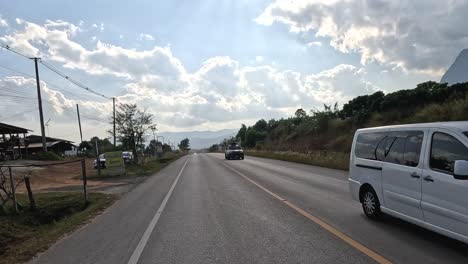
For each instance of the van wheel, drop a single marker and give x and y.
(370, 204)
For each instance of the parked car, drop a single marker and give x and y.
(234, 151)
(127, 156)
(417, 172)
(102, 162)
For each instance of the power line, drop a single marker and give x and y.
(7, 47)
(24, 96)
(19, 114)
(18, 98)
(16, 71)
(72, 80)
(50, 84)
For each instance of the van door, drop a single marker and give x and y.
(402, 173)
(444, 198)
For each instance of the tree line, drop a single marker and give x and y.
(332, 128)
(132, 124)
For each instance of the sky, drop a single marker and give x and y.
(211, 65)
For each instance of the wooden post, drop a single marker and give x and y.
(32, 202)
(12, 184)
(98, 160)
(83, 172)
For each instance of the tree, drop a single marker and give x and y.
(241, 134)
(131, 125)
(213, 148)
(261, 125)
(104, 144)
(184, 144)
(300, 113)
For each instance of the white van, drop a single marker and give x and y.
(417, 172)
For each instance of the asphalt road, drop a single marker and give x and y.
(204, 209)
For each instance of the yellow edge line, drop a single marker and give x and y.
(370, 253)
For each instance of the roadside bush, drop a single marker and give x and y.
(48, 155)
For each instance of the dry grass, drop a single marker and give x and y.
(27, 233)
(334, 160)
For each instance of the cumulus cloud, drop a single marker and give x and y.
(221, 91)
(420, 35)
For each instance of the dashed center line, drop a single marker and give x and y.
(367, 251)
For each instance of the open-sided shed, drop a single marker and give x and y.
(11, 140)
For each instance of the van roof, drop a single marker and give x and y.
(459, 126)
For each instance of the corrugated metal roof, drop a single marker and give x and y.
(9, 129)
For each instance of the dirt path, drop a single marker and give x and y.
(66, 177)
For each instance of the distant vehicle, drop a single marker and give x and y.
(234, 151)
(102, 162)
(127, 156)
(418, 173)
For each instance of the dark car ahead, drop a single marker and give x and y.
(234, 152)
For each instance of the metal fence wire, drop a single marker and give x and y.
(28, 177)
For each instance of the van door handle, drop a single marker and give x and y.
(415, 175)
(428, 179)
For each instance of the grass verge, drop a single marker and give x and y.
(146, 167)
(150, 166)
(334, 160)
(27, 233)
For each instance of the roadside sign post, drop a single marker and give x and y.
(115, 164)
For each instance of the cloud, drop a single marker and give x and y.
(314, 44)
(104, 59)
(421, 35)
(221, 91)
(99, 27)
(144, 36)
(3, 22)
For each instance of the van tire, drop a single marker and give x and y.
(370, 203)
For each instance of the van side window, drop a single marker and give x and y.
(381, 149)
(396, 147)
(406, 148)
(396, 152)
(366, 145)
(413, 149)
(445, 150)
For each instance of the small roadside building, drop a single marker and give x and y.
(12, 141)
(59, 146)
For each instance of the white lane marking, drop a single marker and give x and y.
(144, 239)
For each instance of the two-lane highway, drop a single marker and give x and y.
(204, 209)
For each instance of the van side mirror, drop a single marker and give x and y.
(460, 170)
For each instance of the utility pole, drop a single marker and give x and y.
(113, 102)
(47, 125)
(39, 99)
(79, 122)
(154, 140)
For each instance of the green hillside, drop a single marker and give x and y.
(325, 136)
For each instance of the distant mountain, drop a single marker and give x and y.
(458, 72)
(199, 139)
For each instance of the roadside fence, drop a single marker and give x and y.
(21, 176)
